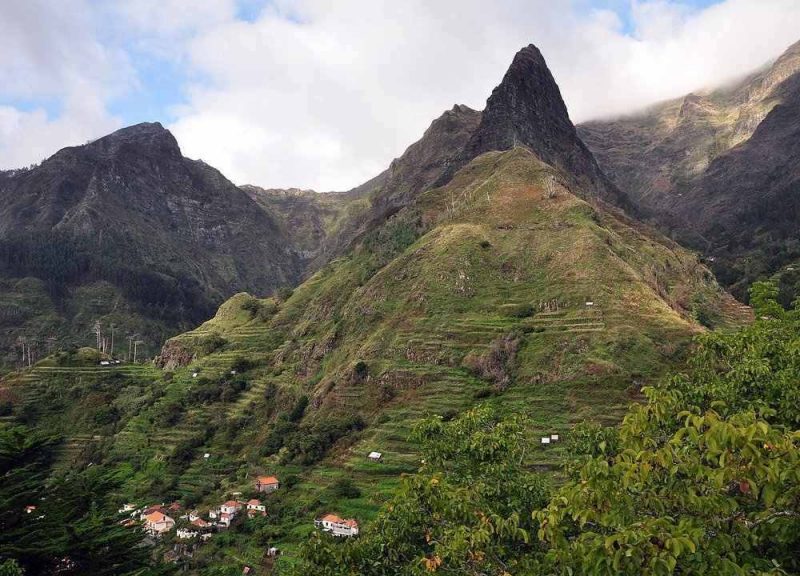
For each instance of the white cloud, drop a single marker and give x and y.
(49, 53)
(324, 93)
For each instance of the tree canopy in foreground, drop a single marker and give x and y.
(702, 478)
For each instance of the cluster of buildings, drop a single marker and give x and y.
(159, 519)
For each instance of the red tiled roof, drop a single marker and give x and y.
(155, 517)
(337, 520)
(267, 480)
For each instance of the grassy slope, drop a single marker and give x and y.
(422, 300)
(28, 311)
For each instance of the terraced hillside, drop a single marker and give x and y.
(512, 283)
(501, 287)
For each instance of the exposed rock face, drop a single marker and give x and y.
(172, 234)
(719, 169)
(420, 167)
(306, 218)
(527, 109)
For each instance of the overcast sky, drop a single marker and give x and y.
(324, 93)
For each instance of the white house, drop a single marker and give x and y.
(225, 519)
(375, 456)
(127, 508)
(231, 507)
(158, 523)
(255, 507)
(337, 526)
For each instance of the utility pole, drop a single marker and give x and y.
(21, 340)
(135, 348)
(99, 333)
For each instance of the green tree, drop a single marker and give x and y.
(467, 511)
(702, 479)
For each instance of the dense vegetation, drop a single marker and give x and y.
(490, 290)
(71, 527)
(703, 478)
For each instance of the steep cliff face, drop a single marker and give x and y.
(719, 169)
(169, 237)
(526, 109)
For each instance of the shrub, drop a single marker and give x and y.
(299, 409)
(283, 293)
(345, 488)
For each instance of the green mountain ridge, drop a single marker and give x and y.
(477, 292)
(483, 267)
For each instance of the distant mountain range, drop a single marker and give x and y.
(126, 231)
(492, 263)
(718, 169)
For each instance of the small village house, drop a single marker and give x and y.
(225, 520)
(149, 510)
(375, 456)
(158, 523)
(186, 534)
(200, 523)
(256, 508)
(30, 508)
(231, 507)
(267, 484)
(127, 508)
(337, 526)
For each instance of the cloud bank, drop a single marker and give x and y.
(323, 94)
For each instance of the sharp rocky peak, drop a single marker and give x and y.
(145, 138)
(526, 109)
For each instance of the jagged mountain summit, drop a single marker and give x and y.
(526, 110)
(127, 230)
(719, 169)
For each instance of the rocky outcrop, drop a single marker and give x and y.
(526, 109)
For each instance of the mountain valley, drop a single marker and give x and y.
(494, 266)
